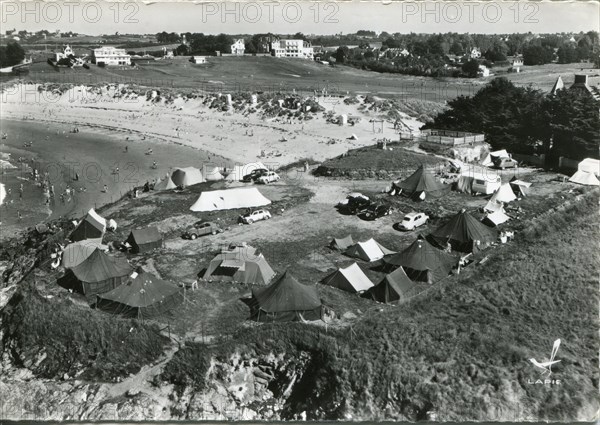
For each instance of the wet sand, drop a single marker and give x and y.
(93, 154)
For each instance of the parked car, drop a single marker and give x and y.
(505, 162)
(375, 211)
(270, 177)
(253, 216)
(413, 220)
(202, 228)
(254, 174)
(354, 204)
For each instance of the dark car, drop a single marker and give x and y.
(354, 206)
(255, 174)
(375, 211)
(202, 228)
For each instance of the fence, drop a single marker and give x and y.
(452, 138)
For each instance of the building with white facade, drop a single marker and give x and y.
(292, 49)
(475, 53)
(239, 47)
(67, 51)
(484, 71)
(109, 55)
(198, 59)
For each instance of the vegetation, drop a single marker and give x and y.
(11, 54)
(56, 337)
(526, 120)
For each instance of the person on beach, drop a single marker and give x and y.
(105, 189)
(19, 216)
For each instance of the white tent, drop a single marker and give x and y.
(588, 179)
(165, 184)
(496, 218)
(111, 225)
(475, 182)
(590, 165)
(239, 171)
(520, 187)
(212, 173)
(2, 193)
(187, 176)
(351, 279)
(488, 160)
(504, 194)
(369, 250)
(493, 206)
(228, 199)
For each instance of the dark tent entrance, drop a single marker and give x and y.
(393, 288)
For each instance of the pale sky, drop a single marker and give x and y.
(327, 17)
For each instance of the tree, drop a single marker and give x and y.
(537, 55)
(341, 54)
(181, 50)
(567, 54)
(471, 68)
(456, 48)
(11, 55)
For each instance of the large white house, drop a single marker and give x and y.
(109, 55)
(239, 47)
(292, 49)
(67, 51)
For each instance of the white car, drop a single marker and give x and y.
(413, 220)
(270, 177)
(253, 216)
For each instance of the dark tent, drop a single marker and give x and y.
(394, 287)
(419, 182)
(142, 295)
(144, 240)
(422, 261)
(92, 226)
(97, 274)
(286, 300)
(462, 232)
(341, 244)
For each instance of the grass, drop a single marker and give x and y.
(463, 350)
(54, 337)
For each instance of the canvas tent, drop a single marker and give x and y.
(475, 182)
(92, 226)
(240, 264)
(488, 161)
(97, 274)
(519, 187)
(286, 300)
(590, 165)
(187, 176)
(503, 194)
(422, 261)
(215, 200)
(582, 177)
(341, 244)
(75, 253)
(420, 184)
(212, 173)
(464, 233)
(351, 279)
(144, 240)
(239, 171)
(165, 183)
(493, 206)
(496, 218)
(370, 250)
(142, 295)
(392, 288)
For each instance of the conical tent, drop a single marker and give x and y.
(370, 250)
(464, 233)
(142, 295)
(423, 262)
(144, 240)
(493, 206)
(351, 279)
(582, 177)
(187, 176)
(286, 300)
(392, 288)
(165, 183)
(341, 244)
(97, 274)
(75, 253)
(422, 181)
(215, 200)
(91, 227)
(503, 194)
(211, 173)
(241, 264)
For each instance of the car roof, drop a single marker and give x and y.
(412, 214)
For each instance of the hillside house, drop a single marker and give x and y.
(109, 55)
(475, 53)
(292, 49)
(238, 48)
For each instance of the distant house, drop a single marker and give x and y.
(484, 71)
(475, 53)
(198, 59)
(67, 51)
(109, 55)
(292, 49)
(239, 47)
(516, 65)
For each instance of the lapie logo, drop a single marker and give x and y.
(546, 367)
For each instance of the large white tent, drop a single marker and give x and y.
(582, 177)
(590, 165)
(370, 250)
(503, 194)
(187, 176)
(239, 171)
(228, 199)
(211, 173)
